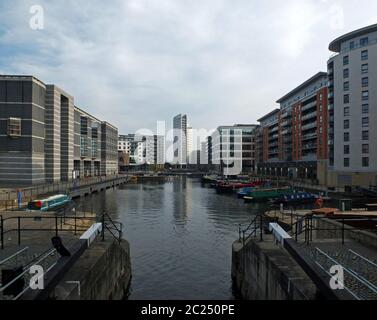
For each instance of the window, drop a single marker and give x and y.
(346, 136)
(364, 55)
(346, 124)
(365, 135)
(352, 45)
(364, 68)
(365, 162)
(346, 86)
(347, 149)
(365, 122)
(346, 98)
(346, 60)
(365, 95)
(14, 127)
(365, 82)
(364, 41)
(346, 73)
(346, 111)
(365, 108)
(346, 162)
(365, 148)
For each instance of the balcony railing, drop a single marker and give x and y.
(309, 126)
(309, 106)
(309, 116)
(309, 136)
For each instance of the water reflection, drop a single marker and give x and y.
(180, 235)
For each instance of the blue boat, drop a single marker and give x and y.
(298, 197)
(51, 203)
(244, 192)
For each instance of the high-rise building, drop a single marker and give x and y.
(180, 139)
(352, 109)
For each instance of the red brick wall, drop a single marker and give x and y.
(296, 133)
(265, 144)
(322, 138)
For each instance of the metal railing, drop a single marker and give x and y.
(306, 225)
(354, 283)
(61, 223)
(43, 260)
(251, 230)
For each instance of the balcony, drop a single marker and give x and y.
(309, 106)
(309, 126)
(309, 157)
(309, 146)
(286, 132)
(309, 136)
(274, 129)
(330, 107)
(331, 95)
(309, 116)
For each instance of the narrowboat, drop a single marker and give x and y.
(299, 197)
(50, 203)
(261, 195)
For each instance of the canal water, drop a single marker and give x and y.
(181, 236)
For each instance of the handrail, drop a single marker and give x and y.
(13, 255)
(118, 229)
(351, 272)
(252, 226)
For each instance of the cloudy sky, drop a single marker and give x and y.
(134, 62)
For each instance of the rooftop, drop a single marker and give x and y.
(269, 115)
(303, 85)
(335, 45)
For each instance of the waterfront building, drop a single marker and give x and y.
(45, 138)
(294, 136)
(352, 109)
(109, 149)
(87, 144)
(22, 130)
(232, 149)
(180, 139)
(147, 149)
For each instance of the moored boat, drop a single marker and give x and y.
(50, 203)
(267, 194)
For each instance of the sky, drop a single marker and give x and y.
(136, 62)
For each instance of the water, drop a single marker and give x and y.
(180, 235)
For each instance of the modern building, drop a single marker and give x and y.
(143, 150)
(44, 138)
(180, 139)
(352, 73)
(294, 136)
(232, 149)
(109, 149)
(87, 144)
(22, 130)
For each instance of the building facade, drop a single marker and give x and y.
(352, 72)
(180, 139)
(232, 149)
(22, 130)
(294, 137)
(44, 138)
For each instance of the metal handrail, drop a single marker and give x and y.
(13, 255)
(351, 272)
(254, 227)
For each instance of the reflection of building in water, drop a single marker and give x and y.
(181, 201)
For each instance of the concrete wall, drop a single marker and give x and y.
(265, 271)
(104, 273)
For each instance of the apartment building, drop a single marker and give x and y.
(294, 136)
(352, 73)
(180, 139)
(232, 149)
(44, 138)
(148, 149)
